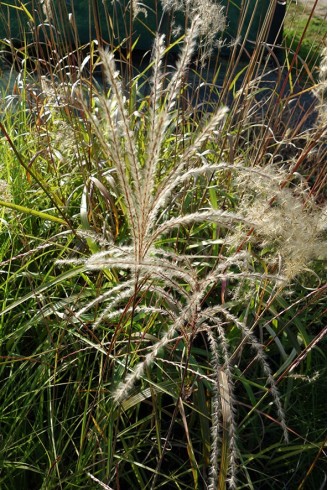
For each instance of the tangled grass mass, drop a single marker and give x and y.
(162, 252)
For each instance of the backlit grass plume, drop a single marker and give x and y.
(154, 165)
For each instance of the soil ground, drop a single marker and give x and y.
(320, 9)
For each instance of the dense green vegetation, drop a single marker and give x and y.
(304, 34)
(162, 260)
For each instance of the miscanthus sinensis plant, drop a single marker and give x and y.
(146, 356)
(182, 261)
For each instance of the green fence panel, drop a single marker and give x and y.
(112, 21)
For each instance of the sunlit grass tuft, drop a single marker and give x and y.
(161, 256)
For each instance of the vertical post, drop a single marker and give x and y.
(276, 29)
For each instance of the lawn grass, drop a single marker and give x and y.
(307, 38)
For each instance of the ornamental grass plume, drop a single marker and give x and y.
(152, 164)
(211, 20)
(210, 13)
(144, 194)
(286, 221)
(321, 90)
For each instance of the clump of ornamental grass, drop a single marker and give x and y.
(176, 234)
(151, 161)
(151, 165)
